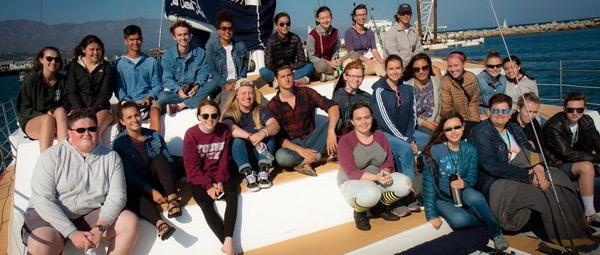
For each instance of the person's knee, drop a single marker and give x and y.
(472, 197)
(401, 184)
(48, 121)
(368, 196)
(459, 220)
(45, 240)
(60, 112)
(584, 168)
(285, 158)
(127, 223)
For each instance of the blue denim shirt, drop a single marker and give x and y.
(488, 88)
(178, 70)
(133, 162)
(137, 81)
(217, 60)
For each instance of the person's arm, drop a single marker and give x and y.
(374, 50)
(269, 54)
(193, 163)
(412, 120)
(272, 126)
(106, 88)
(474, 104)
(349, 43)
(556, 144)
(380, 114)
(390, 43)
(25, 102)
(168, 74)
(222, 175)
(489, 161)
(201, 75)
(121, 82)
(470, 163)
(116, 198)
(73, 87)
(156, 84)
(446, 96)
(418, 45)
(310, 49)
(534, 88)
(245, 60)
(429, 193)
(300, 55)
(346, 157)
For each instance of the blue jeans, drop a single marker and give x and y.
(269, 75)
(243, 153)
(404, 157)
(172, 97)
(421, 139)
(475, 210)
(317, 140)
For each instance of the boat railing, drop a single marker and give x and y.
(8, 124)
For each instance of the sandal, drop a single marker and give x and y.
(165, 231)
(174, 208)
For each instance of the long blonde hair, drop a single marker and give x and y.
(232, 108)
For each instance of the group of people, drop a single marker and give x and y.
(481, 128)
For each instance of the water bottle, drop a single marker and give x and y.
(262, 150)
(456, 196)
(91, 251)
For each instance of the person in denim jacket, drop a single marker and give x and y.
(491, 81)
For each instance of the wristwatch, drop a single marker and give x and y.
(101, 228)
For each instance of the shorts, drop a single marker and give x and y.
(34, 221)
(566, 168)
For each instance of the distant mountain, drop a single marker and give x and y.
(22, 38)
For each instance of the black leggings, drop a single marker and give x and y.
(160, 178)
(221, 228)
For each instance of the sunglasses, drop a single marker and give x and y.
(213, 116)
(50, 59)
(504, 111)
(226, 29)
(452, 128)
(578, 110)
(405, 13)
(82, 130)
(285, 24)
(420, 69)
(493, 66)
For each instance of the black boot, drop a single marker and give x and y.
(362, 221)
(384, 211)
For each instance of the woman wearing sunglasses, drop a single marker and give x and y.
(420, 74)
(253, 128)
(41, 99)
(491, 81)
(446, 155)
(206, 160)
(148, 169)
(519, 82)
(347, 90)
(91, 80)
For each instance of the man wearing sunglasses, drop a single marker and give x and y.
(78, 193)
(572, 144)
(401, 39)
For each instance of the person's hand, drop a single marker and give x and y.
(387, 170)
(94, 236)
(219, 186)
(334, 63)
(539, 178)
(458, 184)
(147, 101)
(432, 125)
(309, 155)
(193, 90)
(483, 117)
(414, 147)
(257, 137)
(384, 178)
(436, 222)
(80, 240)
(213, 192)
(331, 143)
(229, 86)
(157, 197)
(181, 93)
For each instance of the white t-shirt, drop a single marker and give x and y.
(511, 143)
(230, 65)
(575, 134)
(134, 60)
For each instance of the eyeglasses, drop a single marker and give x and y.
(453, 128)
(360, 14)
(226, 29)
(417, 69)
(355, 76)
(285, 24)
(572, 110)
(493, 66)
(497, 111)
(213, 116)
(82, 130)
(50, 59)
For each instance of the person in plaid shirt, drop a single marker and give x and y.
(294, 108)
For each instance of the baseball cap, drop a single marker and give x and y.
(404, 8)
(243, 82)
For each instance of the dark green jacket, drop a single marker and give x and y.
(36, 98)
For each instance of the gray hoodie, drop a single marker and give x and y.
(403, 44)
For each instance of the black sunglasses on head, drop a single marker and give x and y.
(212, 116)
(82, 130)
(578, 110)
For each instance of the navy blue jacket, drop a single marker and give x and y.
(397, 120)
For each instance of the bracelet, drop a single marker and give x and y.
(265, 131)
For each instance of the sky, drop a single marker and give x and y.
(456, 14)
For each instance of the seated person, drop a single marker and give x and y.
(41, 100)
(491, 81)
(347, 90)
(149, 169)
(420, 74)
(184, 72)
(360, 42)
(572, 144)
(139, 77)
(294, 108)
(206, 160)
(253, 128)
(402, 39)
(519, 82)
(526, 118)
(78, 194)
(519, 193)
(446, 155)
(285, 48)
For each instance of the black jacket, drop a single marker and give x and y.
(35, 98)
(529, 130)
(90, 90)
(284, 51)
(558, 136)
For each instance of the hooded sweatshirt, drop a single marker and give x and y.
(394, 111)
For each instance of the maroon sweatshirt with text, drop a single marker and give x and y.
(206, 156)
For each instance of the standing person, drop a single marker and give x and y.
(41, 100)
(519, 192)
(526, 118)
(360, 41)
(184, 72)
(148, 167)
(302, 144)
(139, 76)
(402, 39)
(447, 155)
(426, 88)
(253, 128)
(460, 92)
(78, 194)
(91, 81)
(519, 82)
(206, 160)
(491, 81)
(347, 90)
(571, 139)
(367, 178)
(284, 48)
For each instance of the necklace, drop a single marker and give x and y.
(454, 156)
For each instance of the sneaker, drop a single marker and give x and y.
(362, 221)
(173, 108)
(327, 77)
(594, 220)
(414, 207)
(500, 243)
(383, 211)
(252, 184)
(401, 211)
(302, 81)
(263, 180)
(305, 169)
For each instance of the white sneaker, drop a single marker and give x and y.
(263, 180)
